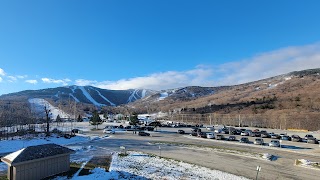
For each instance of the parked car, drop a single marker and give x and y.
(225, 131)
(193, 134)
(109, 131)
(296, 138)
(202, 134)
(285, 138)
(244, 140)
(263, 131)
(219, 137)
(235, 132)
(308, 136)
(275, 136)
(256, 130)
(218, 131)
(142, 133)
(232, 138)
(210, 135)
(149, 128)
(265, 135)
(181, 131)
(244, 133)
(249, 132)
(75, 131)
(256, 134)
(274, 143)
(312, 141)
(210, 128)
(258, 141)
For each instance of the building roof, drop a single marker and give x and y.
(36, 152)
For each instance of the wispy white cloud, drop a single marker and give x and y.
(158, 81)
(2, 73)
(64, 82)
(270, 64)
(11, 78)
(22, 76)
(31, 81)
(258, 67)
(84, 82)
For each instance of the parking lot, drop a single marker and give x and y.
(281, 168)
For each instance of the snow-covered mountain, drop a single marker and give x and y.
(84, 94)
(38, 105)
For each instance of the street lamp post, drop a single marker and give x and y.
(258, 170)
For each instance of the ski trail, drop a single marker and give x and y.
(88, 96)
(111, 103)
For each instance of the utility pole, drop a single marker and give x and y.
(239, 121)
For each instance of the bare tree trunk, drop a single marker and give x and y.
(47, 111)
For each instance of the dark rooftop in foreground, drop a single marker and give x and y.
(36, 152)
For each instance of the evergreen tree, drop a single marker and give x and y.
(79, 119)
(134, 121)
(58, 119)
(95, 119)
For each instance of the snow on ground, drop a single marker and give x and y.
(141, 166)
(307, 164)
(7, 146)
(38, 105)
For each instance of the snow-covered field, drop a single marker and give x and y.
(140, 166)
(16, 144)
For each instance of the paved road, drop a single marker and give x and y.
(282, 168)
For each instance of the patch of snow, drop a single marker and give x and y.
(111, 103)
(257, 88)
(57, 95)
(163, 95)
(38, 104)
(8, 146)
(272, 85)
(287, 78)
(143, 94)
(142, 167)
(88, 96)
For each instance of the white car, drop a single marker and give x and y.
(109, 131)
(244, 133)
(210, 135)
(274, 143)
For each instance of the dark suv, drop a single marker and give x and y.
(142, 133)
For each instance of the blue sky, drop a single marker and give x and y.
(120, 44)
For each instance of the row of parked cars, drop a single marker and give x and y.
(264, 134)
(257, 141)
(275, 142)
